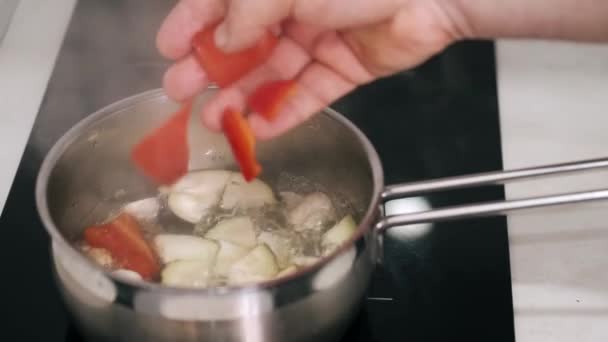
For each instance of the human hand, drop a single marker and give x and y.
(329, 46)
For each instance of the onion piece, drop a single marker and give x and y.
(100, 256)
(258, 265)
(246, 195)
(128, 274)
(291, 199)
(304, 260)
(173, 247)
(286, 271)
(144, 210)
(228, 254)
(338, 234)
(236, 230)
(187, 273)
(279, 245)
(194, 195)
(312, 213)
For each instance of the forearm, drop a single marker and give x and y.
(578, 20)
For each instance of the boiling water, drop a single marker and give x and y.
(290, 190)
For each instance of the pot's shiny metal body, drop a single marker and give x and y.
(87, 174)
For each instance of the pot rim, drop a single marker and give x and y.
(65, 141)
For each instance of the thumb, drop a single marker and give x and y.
(247, 20)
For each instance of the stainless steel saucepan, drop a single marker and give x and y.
(87, 174)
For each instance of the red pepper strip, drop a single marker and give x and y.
(241, 139)
(223, 68)
(163, 154)
(122, 237)
(268, 98)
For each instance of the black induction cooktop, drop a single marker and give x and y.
(441, 119)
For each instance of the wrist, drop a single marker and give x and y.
(576, 20)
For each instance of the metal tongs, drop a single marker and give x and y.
(490, 208)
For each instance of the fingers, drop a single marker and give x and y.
(286, 62)
(409, 38)
(329, 48)
(318, 86)
(341, 61)
(184, 79)
(187, 17)
(211, 115)
(335, 73)
(337, 14)
(246, 21)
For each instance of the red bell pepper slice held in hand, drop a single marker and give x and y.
(123, 238)
(225, 68)
(242, 141)
(268, 98)
(163, 155)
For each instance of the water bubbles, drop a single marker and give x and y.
(292, 245)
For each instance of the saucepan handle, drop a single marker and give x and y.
(488, 208)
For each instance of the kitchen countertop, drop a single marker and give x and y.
(558, 281)
(27, 58)
(553, 101)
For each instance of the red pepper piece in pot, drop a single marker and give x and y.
(123, 238)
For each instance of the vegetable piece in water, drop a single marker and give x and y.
(225, 68)
(245, 195)
(173, 247)
(144, 210)
(163, 154)
(127, 274)
(338, 234)
(312, 213)
(123, 238)
(258, 265)
(279, 245)
(242, 141)
(188, 273)
(229, 253)
(100, 256)
(236, 230)
(193, 196)
(287, 271)
(290, 199)
(304, 260)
